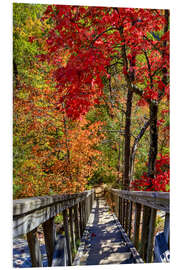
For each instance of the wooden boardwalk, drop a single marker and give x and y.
(102, 241)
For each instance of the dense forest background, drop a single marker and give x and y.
(90, 99)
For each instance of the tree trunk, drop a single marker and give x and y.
(153, 139)
(127, 140)
(134, 148)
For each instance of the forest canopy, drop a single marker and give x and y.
(90, 98)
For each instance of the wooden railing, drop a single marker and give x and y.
(29, 213)
(137, 211)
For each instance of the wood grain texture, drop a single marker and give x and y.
(29, 220)
(156, 200)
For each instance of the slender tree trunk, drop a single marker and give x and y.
(119, 159)
(134, 148)
(67, 146)
(127, 140)
(153, 150)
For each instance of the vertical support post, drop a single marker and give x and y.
(91, 201)
(123, 211)
(73, 242)
(137, 224)
(119, 213)
(83, 214)
(127, 216)
(77, 225)
(66, 228)
(89, 206)
(86, 210)
(49, 235)
(116, 204)
(130, 218)
(34, 248)
(145, 231)
(166, 228)
(81, 218)
(152, 225)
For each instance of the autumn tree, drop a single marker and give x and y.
(97, 38)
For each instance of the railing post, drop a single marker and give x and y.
(86, 210)
(123, 212)
(88, 207)
(81, 218)
(166, 228)
(91, 201)
(71, 221)
(34, 248)
(121, 207)
(49, 235)
(77, 225)
(152, 225)
(130, 219)
(126, 216)
(145, 231)
(137, 224)
(82, 210)
(66, 228)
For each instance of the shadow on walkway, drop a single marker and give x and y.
(102, 240)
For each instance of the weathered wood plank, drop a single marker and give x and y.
(24, 206)
(68, 244)
(126, 216)
(71, 221)
(130, 219)
(81, 218)
(34, 249)
(156, 200)
(77, 224)
(137, 224)
(152, 225)
(166, 228)
(145, 231)
(120, 210)
(26, 222)
(49, 235)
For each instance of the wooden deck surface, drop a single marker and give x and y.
(102, 241)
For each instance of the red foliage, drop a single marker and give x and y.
(160, 182)
(92, 37)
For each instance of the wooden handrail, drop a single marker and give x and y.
(29, 213)
(156, 200)
(141, 208)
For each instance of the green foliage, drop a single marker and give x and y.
(58, 219)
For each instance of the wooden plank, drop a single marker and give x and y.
(145, 231)
(25, 223)
(80, 219)
(137, 224)
(166, 228)
(127, 216)
(73, 242)
(34, 249)
(129, 244)
(27, 205)
(83, 214)
(49, 235)
(156, 200)
(130, 219)
(152, 225)
(77, 225)
(68, 244)
(121, 210)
